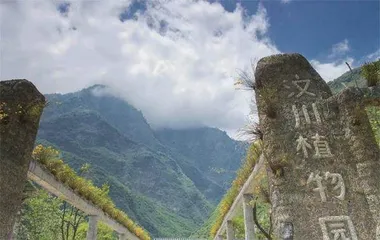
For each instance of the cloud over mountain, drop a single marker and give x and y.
(173, 60)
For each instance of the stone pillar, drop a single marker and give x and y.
(219, 237)
(249, 224)
(21, 105)
(122, 236)
(363, 147)
(230, 230)
(322, 156)
(92, 227)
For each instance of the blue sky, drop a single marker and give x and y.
(312, 27)
(177, 60)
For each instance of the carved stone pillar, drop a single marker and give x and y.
(322, 156)
(21, 105)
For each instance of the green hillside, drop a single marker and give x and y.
(351, 79)
(168, 189)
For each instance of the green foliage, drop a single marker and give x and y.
(46, 217)
(85, 188)
(71, 218)
(371, 72)
(40, 217)
(103, 232)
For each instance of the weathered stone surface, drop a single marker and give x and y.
(249, 224)
(92, 227)
(323, 158)
(21, 105)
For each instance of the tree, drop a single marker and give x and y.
(71, 218)
(40, 217)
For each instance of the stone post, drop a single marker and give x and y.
(219, 237)
(322, 156)
(363, 146)
(230, 230)
(122, 236)
(21, 105)
(92, 227)
(249, 225)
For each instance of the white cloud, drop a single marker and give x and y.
(285, 1)
(373, 56)
(175, 61)
(330, 71)
(339, 49)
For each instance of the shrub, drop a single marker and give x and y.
(371, 72)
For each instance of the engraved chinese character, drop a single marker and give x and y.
(303, 145)
(337, 228)
(337, 179)
(322, 148)
(306, 115)
(320, 188)
(302, 90)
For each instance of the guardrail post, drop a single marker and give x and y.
(230, 230)
(92, 227)
(249, 225)
(21, 105)
(122, 236)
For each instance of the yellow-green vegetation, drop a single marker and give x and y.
(261, 202)
(371, 72)
(244, 172)
(49, 157)
(104, 232)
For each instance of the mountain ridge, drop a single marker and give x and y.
(137, 161)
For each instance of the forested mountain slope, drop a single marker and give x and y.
(349, 79)
(166, 187)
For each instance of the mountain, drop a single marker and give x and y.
(167, 180)
(212, 150)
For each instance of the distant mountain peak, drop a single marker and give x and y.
(96, 86)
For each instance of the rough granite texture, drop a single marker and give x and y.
(344, 201)
(21, 105)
